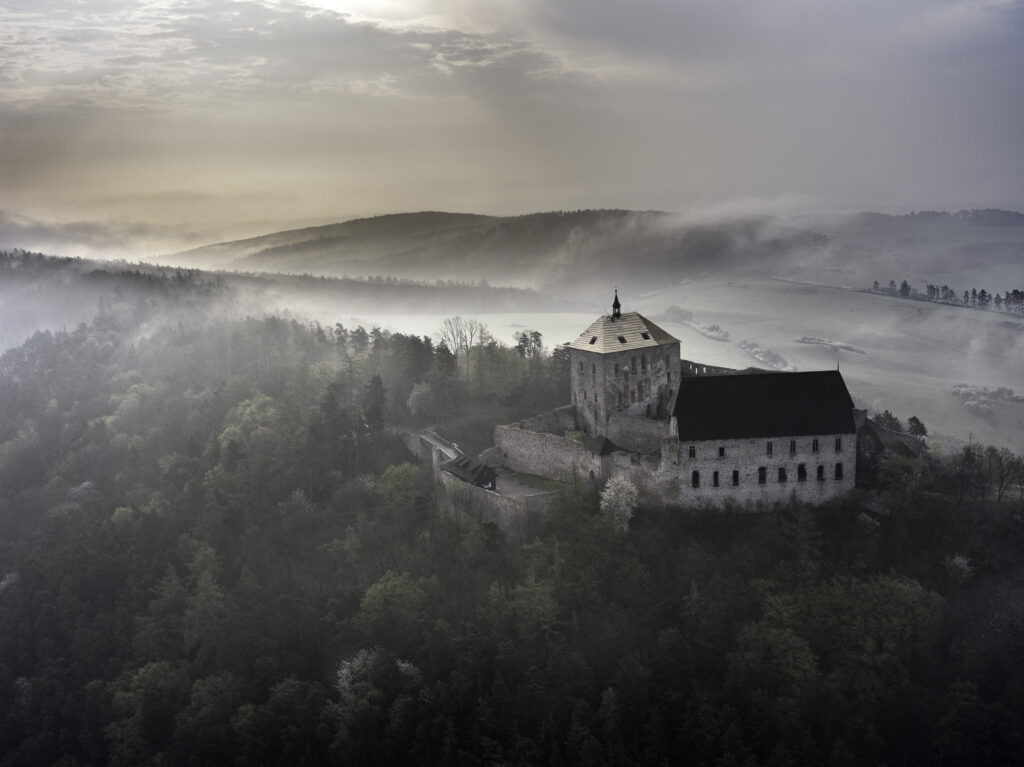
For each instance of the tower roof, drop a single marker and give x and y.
(631, 330)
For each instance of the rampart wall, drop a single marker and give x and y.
(688, 369)
(557, 421)
(546, 455)
(519, 516)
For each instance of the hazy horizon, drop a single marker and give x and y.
(154, 127)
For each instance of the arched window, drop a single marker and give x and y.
(695, 479)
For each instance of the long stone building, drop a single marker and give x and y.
(686, 437)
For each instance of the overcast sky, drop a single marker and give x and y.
(147, 117)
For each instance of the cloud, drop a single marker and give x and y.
(363, 107)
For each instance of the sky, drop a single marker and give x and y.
(155, 124)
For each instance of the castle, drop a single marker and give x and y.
(684, 433)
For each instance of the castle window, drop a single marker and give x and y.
(693, 451)
(632, 363)
(839, 471)
(714, 479)
(782, 474)
(669, 374)
(695, 479)
(643, 362)
(735, 477)
(801, 472)
(792, 447)
(593, 370)
(646, 336)
(616, 368)
(593, 340)
(762, 475)
(581, 368)
(721, 451)
(839, 444)
(632, 395)
(768, 448)
(622, 339)
(814, 446)
(821, 473)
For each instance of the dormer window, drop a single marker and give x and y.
(622, 339)
(646, 336)
(593, 340)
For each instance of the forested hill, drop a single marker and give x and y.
(578, 251)
(39, 292)
(640, 251)
(214, 551)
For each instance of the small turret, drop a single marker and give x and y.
(616, 306)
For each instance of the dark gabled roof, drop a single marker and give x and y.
(601, 446)
(763, 405)
(471, 471)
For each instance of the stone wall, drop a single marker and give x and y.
(557, 421)
(689, 368)
(606, 384)
(747, 456)
(655, 488)
(636, 433)
(519, 517)
(546, 455)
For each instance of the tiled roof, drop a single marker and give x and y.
(471, 471)
(763, 405)
(630, 331)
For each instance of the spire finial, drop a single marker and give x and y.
(616, 306)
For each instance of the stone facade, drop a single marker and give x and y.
(761, 471)
(639, 383)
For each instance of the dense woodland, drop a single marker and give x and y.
(39, 291)
(215, 551)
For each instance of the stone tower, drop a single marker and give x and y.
(623, 364)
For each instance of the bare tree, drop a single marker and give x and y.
(1004, 469)
(461, 336)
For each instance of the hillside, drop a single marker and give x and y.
(640, 251)
(579, 251)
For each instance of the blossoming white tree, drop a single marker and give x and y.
(619, 501)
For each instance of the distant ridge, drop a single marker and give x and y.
(574, 251)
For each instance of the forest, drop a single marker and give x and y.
(214, 549)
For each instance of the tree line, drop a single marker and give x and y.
(1011, 301)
